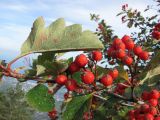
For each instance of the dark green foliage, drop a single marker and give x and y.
(13, 105)
(76, 107)
(39, 98)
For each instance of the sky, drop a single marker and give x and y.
(17, 16)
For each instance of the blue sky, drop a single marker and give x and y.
(17, 16)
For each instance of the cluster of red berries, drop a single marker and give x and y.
(144, 112)
(107, 80)
(122, 49)
(156, 32)
(152, 97)
(53, 114)
(120, 88)
(147, 111)
(87, 76)
(79, 63)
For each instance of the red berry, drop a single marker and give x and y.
(109, 51)
(152, 110)
(113, 73)
(156, 35)
(157, 118)
(127, 60)
(140, 117)
(61, 79)
(116, 41)
(50, 92)
(120, 54)
(154, 94)
(53, 114)
(88, 116)
(107, 80)
(137, 50)
(88, 77)
(121, 86)
(153, 102)
(100, 26)
(81, 60)
(97, 55)
(125, 38)
(131, 113)
(73, 68)
(144, 108)
(113, 53)
(71, 84)
(148, 116)
(145, 95)
(66, 96)
(137, 112)
(132, 118)
(120, 91)
(120, 46)
(144, 55)
(129, 44)
(157, 26)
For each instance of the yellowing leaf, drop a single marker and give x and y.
(59, 38)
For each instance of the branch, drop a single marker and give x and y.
(56, 88)
(14, 60)
(114, 95)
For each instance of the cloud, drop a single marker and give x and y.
(12, 36)
(13, 6)
(17, 17)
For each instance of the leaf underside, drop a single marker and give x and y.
(59, 38)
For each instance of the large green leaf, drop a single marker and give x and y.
(59, 38)
(39, 98)
(151, 73)
(76, 107)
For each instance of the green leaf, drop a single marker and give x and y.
(47, 56)
(58, 66)
(30, 72)
(130, 23)
(77, 76)
(70, 60)
(122, 73)
(151, 73)
(40, 69)
(155, 60)
(21, 80)
(100, 113)
(39, 98)
(76, 107)
(153, 82)
(152, 69)
(59, 38)
(101, 71)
